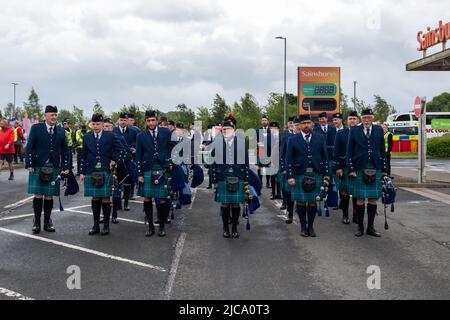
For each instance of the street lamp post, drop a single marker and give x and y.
(354, 94)
(14, 106)
(284, 97)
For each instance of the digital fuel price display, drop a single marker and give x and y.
(319, 90)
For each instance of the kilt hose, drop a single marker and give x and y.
(360, 190)
(36, 186)
(226, 197)
(98, 192)
(150, 190)
(297, 192)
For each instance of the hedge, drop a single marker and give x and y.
(439, 147)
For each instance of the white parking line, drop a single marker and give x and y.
(90, 214)
(13, 295)
(93, 252)
(174, 267)
(19, 203)
(430, 194)
(194, 195)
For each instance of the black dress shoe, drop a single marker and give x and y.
(95, 230)
(304, 233)
(208, 188)
(156, 223)
(226, 234)
(354, 220)
(312, 233)
(372, 232)
(115, 221)
(283, 207)
(49, 227)
(345, 221)
(359, 233)
(150, 232)
(105, 231)
(289, 221)
(273, 198)
(161, 233)
(36, 229)
(168, 221)
(235, 235)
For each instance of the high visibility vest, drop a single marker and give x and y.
(16, 135)
(386, 140)
(69, 137)
(79, 137)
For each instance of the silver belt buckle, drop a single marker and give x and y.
(309, 170)
(98, 165)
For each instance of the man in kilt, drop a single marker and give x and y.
(230, 172)
(120, 170)
(129, 134)
(287, 203)
(307, 168)
(153, 154)
(264, 144)
(340, 161)
(47, 153)
(100, 148)
(366, 156)
(275, 180)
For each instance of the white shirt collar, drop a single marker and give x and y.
(156, 130)
(99, 135)
(49, 126)
(305, 134)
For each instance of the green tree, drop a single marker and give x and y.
(205, 117)
(98, 108)
(8, 112)
(440, 103)
(275, 107)
(382, 109)
(32, 107)
(64, 115)
(183, 114)
(247, 112)
(78, 115)
(360, 105)
(219, 110)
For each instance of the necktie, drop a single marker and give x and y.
(153, 133)
(325, 130)
(50, 130)
(96, 137)
(368, 133)
(123, 130)
(308, 138)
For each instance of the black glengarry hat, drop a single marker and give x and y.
(51, 109)
(150, 114)
(97, 117)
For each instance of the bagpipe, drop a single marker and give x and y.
(389, 196)
(180, 193)
(252, 190)
(70, 185)
(323, 197)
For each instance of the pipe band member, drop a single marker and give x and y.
(153, 154)
(307, 167)
(100, 148)
(230, 173)
(47, 153)
(366, 156)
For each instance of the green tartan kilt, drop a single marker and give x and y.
(359, 190)
(297, 192)
(342, 184)
(151, 190)
(226, 197)
(101, 192)
(36, 186)
(282, 179)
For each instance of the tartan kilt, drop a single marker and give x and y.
(359, 190)
(226, 197)
(342, 184)
(36, 186)
(101, 192)
(282, 179)
(151, 190)
(297, 192)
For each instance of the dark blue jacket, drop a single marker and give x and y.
(330, 137)
(130, 135)
(340, 149)
(146, 153)
(123, 142)
(108, 148)
(41, 148)
(360, 149)
(297, 155)
(223, 167)
(283, 148)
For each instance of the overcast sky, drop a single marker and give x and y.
(166, 52)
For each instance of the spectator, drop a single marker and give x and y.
(7, 147)
(19, 140)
